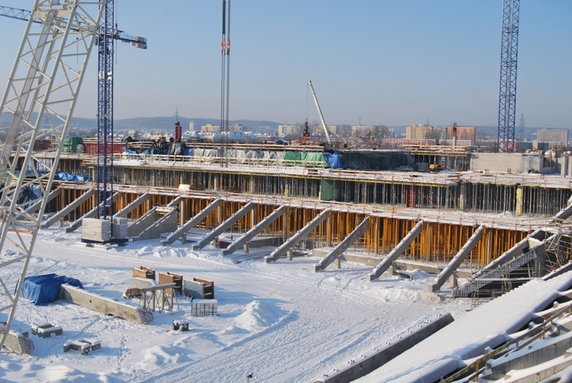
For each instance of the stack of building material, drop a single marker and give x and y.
(120, 226)
(96, 230)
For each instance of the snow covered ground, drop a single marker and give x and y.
(280, 322)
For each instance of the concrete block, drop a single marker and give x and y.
(95, 229)
(20, 343)
(84, 346)
(47, 330)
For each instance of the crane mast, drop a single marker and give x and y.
(225, 76)
(105, 111)
(39, 100)
(326, 132)
(508, 67)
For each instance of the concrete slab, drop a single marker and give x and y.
(105, 305)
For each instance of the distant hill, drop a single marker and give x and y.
(165, 124)
(88, 126)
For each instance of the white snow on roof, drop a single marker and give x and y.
(467, 337)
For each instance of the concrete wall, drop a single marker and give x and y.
(506, 162)
(564, 166)
(369, 363)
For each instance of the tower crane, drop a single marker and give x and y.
(38, 102)
(108, 33)
(24, 14)
(326, 132)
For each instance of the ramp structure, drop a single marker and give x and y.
(181, 231)
(254, 231)
(457, 260)
(224, 226)
(132, 206)
(342, 246)
(90, 214)
(34, 207)
(68, 209)
(505, 275)
(159, 219)
(396, 252)
(293, 241)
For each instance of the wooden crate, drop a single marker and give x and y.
(143, 272)
(172, 278)
(199, 288)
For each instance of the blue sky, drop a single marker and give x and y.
(393, 62)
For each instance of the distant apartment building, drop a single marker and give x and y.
(364, 131)
(462, 134)
(289, 130)
(422, 132)
(554, 137)
(237, 128)
(210, 128)
(318, 130)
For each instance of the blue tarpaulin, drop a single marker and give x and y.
(44, 289)
(334, 160)
(32, 192)
(65, 176)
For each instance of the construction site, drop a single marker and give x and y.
(480, 226)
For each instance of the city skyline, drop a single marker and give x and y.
(374, 62)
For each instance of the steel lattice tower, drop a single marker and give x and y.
(509, 60)
(105, 110)
(39, 100)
